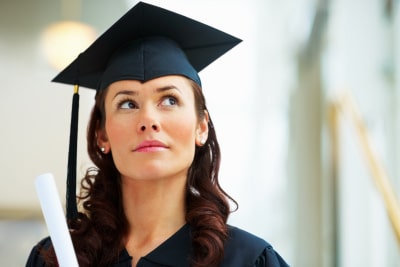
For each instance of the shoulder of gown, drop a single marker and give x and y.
(269, 257)
(242, 249)
(245, 249)
(34, 259)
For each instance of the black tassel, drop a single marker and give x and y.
(72, 210)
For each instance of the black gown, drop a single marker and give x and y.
(242, 249)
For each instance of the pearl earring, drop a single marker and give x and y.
(102, 149)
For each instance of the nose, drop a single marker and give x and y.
(155, 127)
(148, 122)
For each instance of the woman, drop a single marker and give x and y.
(154, 198)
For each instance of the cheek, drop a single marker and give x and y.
(117, 131)
(184, 129)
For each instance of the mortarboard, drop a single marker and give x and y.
(147, 42)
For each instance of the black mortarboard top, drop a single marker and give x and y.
(147, 42)
(201, 43)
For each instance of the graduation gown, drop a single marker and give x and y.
(242, 249)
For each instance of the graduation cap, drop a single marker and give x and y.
(146, 43)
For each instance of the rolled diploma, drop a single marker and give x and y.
(55, 220)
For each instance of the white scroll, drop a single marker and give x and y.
(55, 220)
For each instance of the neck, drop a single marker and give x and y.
(154, 207)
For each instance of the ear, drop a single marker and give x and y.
(202, 130)
(102, 141)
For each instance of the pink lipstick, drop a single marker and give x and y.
(150, 146)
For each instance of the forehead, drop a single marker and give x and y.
(180, 83)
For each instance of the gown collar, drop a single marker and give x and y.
(175, 251)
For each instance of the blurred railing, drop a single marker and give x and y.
(346, 107)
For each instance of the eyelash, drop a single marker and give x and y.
(163, 98)
(170, 96)
(125, 100)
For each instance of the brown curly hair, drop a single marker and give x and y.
(98, 232)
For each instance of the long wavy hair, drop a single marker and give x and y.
(98, 232)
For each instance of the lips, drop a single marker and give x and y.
(150, 146)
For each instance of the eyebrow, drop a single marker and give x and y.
(125, 92)
(167, 88)
(158, 90)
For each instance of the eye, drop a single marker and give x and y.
(127, 104)
(169, 101)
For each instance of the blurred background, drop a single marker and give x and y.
(305, 108)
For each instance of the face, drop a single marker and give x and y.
(152, 128)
